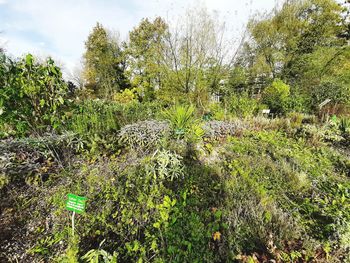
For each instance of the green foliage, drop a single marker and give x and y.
(238, 80)
(104, 64)
(252, 194)
(242, 105)
(166, 165)
(226, 187)
(126, 96)
(293, 42)
(266, 194)
(143, 135)
(94, 256)
(144, 55)
(344, 125)
(296, 119)
(71, 253)
(31, 97)
(180, 117)
(328, 132)
(216, 112)
(133, 112)
(96, 122)
(337, 93)
(331, 206)
(183, 122)
(276, 96)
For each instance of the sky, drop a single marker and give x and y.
(59, 28)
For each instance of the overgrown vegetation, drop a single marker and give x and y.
(182, 156)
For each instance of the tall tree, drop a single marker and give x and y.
(146, 55)
(280, 41)
(197, 54)
(304, 43)
(104, 63)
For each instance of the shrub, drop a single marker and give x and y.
(337, 93)
(32, 95)
(32, 160)
(276, 96)
(126, 96)
(243, 106)
(96, 122)
(220, 129)
(297, 103)
(320, 133)
(296, 119)
(216, 111)
(165, 165)
(94, 117)
(180, 118)
(144, 134)
(133, 112)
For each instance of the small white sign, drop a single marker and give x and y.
(324, 103)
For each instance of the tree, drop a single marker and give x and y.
(104, 64)
(145, 55)
(303, 43)
(281, 42)
(196, 55)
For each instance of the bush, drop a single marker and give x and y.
(327, 133)
(220, 129)
(133, 112)
(216, 112)
(166, 165)
(144, 135)
(180, 117)
(126, 96)
(276, 96)
(296, 119)
(32, 161)
(243, 106)
(96, 122)
(32, 96)
(337, 93)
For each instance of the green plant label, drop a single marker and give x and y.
(76, 203)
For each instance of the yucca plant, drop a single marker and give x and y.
(183, 121)
(180, 117)
(344, 125)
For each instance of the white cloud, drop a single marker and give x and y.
(64, 25)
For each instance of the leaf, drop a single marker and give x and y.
(167, 201)
(156, 225)
(29, 60)
(218, 214)
(42, 102)
(61, 100)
